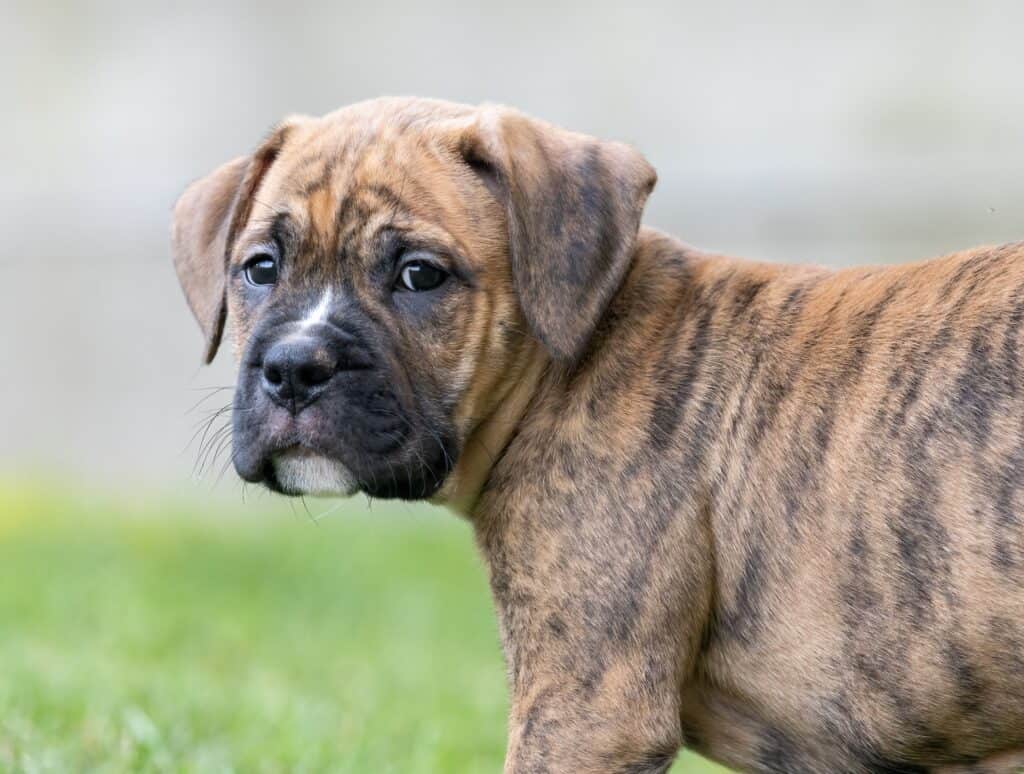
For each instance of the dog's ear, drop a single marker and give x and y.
(573, 205)
(207, 218)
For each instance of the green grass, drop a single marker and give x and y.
(141, 636)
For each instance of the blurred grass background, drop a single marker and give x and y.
(169, 636)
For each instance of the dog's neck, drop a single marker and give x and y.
(531, 373)
(488, 439)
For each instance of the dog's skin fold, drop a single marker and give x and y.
(772, 513)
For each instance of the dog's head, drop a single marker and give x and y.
(384, 267)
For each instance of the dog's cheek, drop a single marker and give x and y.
(491, 355)
(437, 351)
(241, 321)
(245, 428)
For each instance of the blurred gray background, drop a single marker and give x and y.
(826, 132)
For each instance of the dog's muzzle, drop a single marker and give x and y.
(316, 413)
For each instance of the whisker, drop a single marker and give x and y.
(202, 427)
(213, 452)
(206, 397)
(215, 414)
(306, 508)
(224, 468)
(215, 440)
(204, 444)
(328, 512)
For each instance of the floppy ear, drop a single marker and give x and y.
(573, 205)
(207, 218)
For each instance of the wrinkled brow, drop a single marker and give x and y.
(284, 231)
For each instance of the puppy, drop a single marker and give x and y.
(773, 513)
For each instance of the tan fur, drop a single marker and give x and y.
(770, 512)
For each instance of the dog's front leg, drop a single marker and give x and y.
(596, 655)
(562, 727)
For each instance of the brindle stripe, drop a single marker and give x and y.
(778, 754)
(802, 468)
(978, 390)
(853, 368)
(1009, 481)
(743, 617)
(776, 387)
(944, 338)
(970, 690)
(746, 295)
(674, 398)
(323, 181)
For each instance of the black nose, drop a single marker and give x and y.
(296, 371)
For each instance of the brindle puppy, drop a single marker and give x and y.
(773, 513)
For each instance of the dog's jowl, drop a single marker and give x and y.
(773, 513)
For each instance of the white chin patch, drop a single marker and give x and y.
(306, 473)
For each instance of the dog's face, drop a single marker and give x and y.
(386, 269)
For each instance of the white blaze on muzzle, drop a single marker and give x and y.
(319, 312)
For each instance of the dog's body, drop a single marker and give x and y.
(794, 493)
(772, 513)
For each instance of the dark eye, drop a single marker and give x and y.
(421, 275)
(261, 270)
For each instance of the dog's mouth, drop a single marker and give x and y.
(304, 457)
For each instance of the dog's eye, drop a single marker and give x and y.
(261, 270)
(420, 275)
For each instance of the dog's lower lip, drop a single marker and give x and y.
(270, 477)
(297, 450)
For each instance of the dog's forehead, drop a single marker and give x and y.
(344, 177)
(365, 141)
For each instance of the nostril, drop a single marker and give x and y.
(273, 374)
(313, 374)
